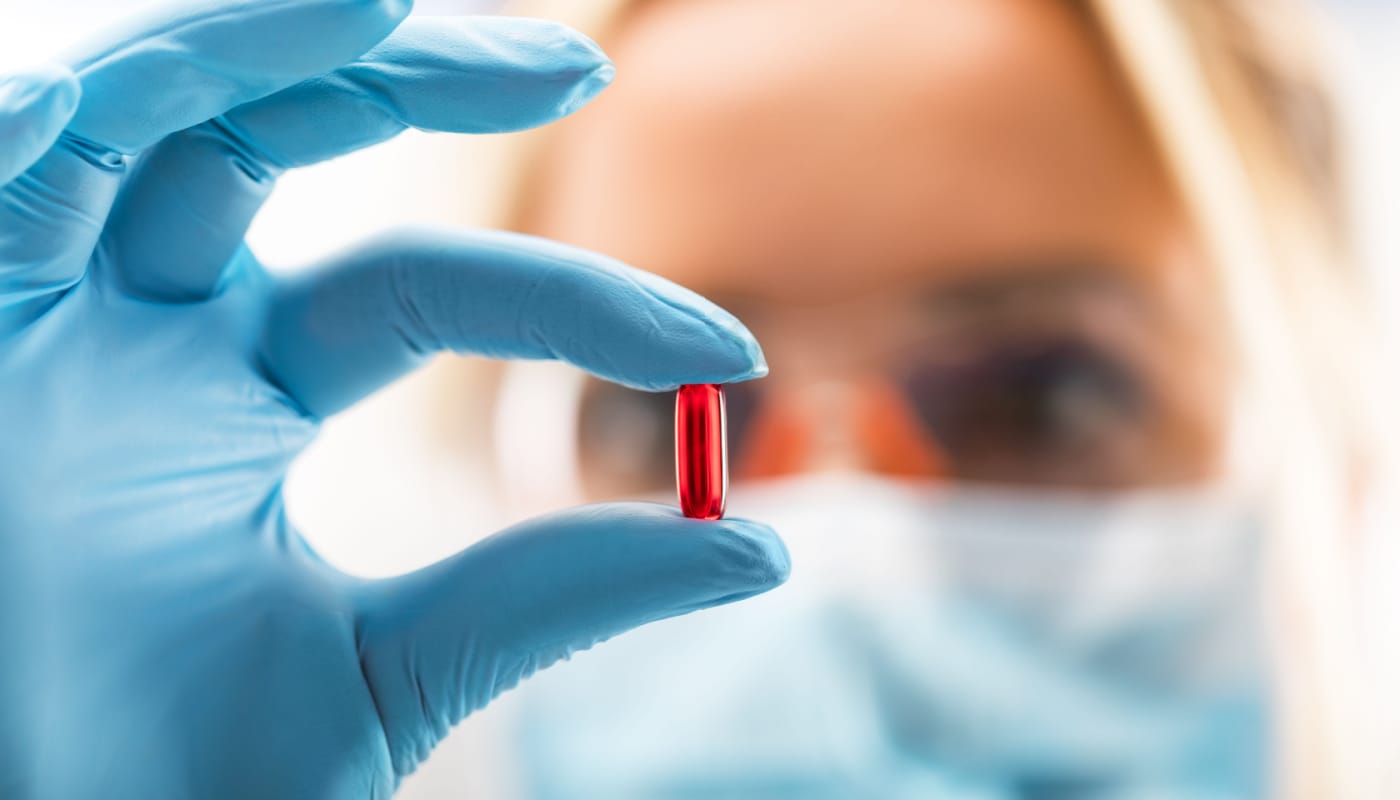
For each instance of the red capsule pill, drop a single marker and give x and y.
(702, 471)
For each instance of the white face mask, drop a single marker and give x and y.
(1162, 584)
(978, 642)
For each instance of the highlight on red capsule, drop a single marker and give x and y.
(702, 471)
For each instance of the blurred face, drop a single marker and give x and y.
(943, 220)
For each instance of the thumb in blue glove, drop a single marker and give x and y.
(166, 632)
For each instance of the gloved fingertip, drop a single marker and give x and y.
(753, 352)
(575, 47)
(749, 361)
(761, 554)
(588, 88)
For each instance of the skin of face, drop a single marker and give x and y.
(851, 178)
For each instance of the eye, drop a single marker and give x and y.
(1051, 412)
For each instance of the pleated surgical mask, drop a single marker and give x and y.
(1086, 573)
(933, 638)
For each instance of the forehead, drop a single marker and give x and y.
(811, 148)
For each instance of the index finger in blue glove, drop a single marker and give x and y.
(181, 66)
(337, 333)
(34, 107)
(439, 643)
(183, 212)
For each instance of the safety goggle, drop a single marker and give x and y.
(1056, 397)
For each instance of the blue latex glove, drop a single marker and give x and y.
(164, 631)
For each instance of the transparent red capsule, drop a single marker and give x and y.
(702, 471)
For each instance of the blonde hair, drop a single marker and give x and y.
(1236, 96)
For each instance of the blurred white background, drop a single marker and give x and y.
(375, 494)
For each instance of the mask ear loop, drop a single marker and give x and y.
(535, 436)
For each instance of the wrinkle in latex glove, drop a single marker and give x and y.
(166, 632)
(37, 104)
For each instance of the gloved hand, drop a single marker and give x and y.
(164, 631)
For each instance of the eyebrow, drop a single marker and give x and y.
(988, 289)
